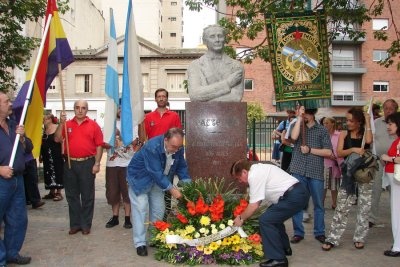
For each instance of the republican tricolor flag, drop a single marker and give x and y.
(56, 51)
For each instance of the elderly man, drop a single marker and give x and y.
(84, 152)
(215, 76)
(149, 176)
(382, 142)
(12, 195)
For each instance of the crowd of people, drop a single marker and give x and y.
(139, 176)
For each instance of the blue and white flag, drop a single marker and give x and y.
(132, 112)
(112, 91)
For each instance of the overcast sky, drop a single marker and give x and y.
(193, 25)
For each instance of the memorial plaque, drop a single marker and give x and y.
(215, 138)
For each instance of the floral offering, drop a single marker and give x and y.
(200, 229)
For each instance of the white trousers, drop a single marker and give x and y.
(395, 210)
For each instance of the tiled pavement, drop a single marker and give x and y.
(49, 244)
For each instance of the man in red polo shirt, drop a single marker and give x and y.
(158, 122)
(85, 141)
(161, 119)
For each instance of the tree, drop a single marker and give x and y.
(14, 46)
(342, 15)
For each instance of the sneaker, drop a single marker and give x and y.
(112, 222)
(20, 260)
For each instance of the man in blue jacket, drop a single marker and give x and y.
(149, 174)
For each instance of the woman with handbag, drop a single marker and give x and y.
(351, 141)
(392, 171)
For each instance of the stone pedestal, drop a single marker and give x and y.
(215, 138)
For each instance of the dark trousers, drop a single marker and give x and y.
(285, 161)
(31, 182)
(273, 233)
(79, 191)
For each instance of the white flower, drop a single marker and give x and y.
(202, 230)
(222, 226)
(214, 230)
(213, 226)
(230, 222)
(196, 235)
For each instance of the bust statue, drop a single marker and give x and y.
(215, 76)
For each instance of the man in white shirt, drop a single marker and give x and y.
(287, 197)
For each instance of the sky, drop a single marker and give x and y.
(194, 23)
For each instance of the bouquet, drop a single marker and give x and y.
(200, 229)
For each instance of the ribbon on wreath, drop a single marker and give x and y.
(176, 239)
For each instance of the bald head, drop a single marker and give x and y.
(80, 109)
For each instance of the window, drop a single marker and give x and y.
(145, 80)
(380, 24)
(83, 83)
(174, 3)
(248, 84)
(175, 82)
(172, 18)
(381, 86)
(172, 34)
(379, 55)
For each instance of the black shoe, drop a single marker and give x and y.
(28, 203)
(127, 225)
(275, 263)
(371, 224)
(37, 204)
(141, 251)
(391, 253)
(20, 260)
(288, 251)
(112, 222)
(320, 238)
(296, 239)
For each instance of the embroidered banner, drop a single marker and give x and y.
(299, 58)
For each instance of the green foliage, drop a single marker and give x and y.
(14, 46)
(345, 17)
(254, 111)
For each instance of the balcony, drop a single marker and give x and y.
(346, 98)
(346, 66)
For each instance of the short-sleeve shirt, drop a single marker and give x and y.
(268, 182)
(84, 138)
(310, 165)
(155, 124)
(392, 152)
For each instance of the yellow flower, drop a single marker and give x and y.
(219, 242)
(230, 222)
(205, 220)
(226, 241)
(222, 226)
(200, 247)
(235, 239)
(259, 252)
(208, 251)
(190, 229)
(246, 248)
(236, 248)
(214, 246)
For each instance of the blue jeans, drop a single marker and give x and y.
(13, 212)
(272, 228)
(151, 202)
(316, 189)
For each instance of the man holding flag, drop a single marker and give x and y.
(12, 194)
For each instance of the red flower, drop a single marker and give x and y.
(255, 238)
(191, 207)
(217, 209)
(201, 206)
(182, 218)
(240, 208)
(161, 225)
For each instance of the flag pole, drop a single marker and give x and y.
(63, 111)
(369, 112)
(31, 83)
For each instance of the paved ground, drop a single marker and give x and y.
(49, 244)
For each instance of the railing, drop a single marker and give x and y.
(336, 63)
